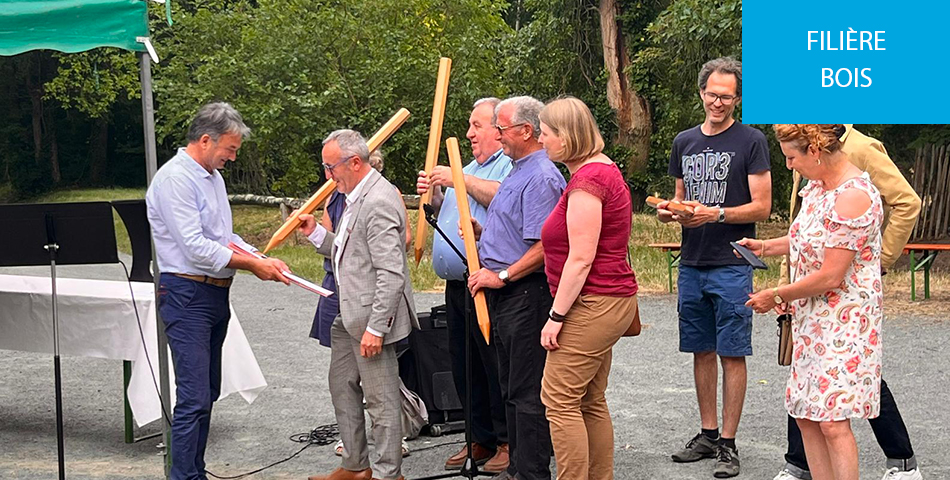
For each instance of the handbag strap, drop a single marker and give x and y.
(785, 273)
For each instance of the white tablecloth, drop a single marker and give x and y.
(97, 319)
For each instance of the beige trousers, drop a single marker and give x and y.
(575, 378)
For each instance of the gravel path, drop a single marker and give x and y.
(651, 396)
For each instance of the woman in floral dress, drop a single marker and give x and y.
(835, 299)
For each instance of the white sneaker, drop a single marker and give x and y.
(895, 473)
(405, 448)
(786, 475)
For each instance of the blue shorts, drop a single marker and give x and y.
(712, 311)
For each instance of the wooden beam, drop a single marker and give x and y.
(432, 153)
(468, 233)
(324, 191)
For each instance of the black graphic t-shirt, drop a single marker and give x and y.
(715, 170)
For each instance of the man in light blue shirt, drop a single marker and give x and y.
(482, 179)
(517, 291)
(190, 218)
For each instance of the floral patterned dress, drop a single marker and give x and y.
(836, 366)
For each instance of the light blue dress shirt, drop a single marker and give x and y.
(519, 209)
(446, 263)
(190, 218)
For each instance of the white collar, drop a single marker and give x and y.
(355, 194)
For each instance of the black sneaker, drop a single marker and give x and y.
(698, 448)
(727, 462)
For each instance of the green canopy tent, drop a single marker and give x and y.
(75, 26)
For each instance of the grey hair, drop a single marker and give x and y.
(351, 143)
(527, 110)
(723, 65)
(216, 119)
(493, 101)
(376, 160)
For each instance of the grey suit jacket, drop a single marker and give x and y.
(373, 281)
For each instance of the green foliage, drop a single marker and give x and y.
(91, 82)
(298, 70)
(675, 45)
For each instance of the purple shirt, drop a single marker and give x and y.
(517, 212)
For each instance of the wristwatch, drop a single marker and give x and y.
(722, 215)
(503, 276)
(776, 297)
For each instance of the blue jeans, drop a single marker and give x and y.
(196, 321)
(712, 311)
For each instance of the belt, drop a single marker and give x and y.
(218, 282)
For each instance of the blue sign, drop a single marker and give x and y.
(845, 62)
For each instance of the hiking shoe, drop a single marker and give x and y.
(698, 448)
(895, 473)
(727, 462)
(786, 475)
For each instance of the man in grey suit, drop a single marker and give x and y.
(376, 308)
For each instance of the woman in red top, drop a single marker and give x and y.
(594, 288)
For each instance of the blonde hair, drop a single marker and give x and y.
(824, 137)
(376, 160)
(571, 121)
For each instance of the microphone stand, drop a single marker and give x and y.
(470, 468)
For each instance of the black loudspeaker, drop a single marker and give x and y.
(426, 369)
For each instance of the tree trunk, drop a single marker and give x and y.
(99, 149)
(35, 90)
(53, 150)
(634, 119)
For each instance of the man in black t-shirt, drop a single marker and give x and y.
(721, 169)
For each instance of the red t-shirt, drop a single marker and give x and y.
(610, 274)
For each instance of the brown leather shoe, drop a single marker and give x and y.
(344, 474)
(479, 453)
(499, 462)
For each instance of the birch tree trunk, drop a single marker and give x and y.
(634, 119)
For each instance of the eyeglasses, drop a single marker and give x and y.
(329, 168)
(501, 129)
(725, 99)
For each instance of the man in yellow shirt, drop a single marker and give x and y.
(902, 206)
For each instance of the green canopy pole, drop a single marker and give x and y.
(151, 166)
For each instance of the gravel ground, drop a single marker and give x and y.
(651, 396)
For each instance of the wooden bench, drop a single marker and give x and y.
(928, 253)
(672, 251)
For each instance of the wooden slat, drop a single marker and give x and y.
(432, 153)
(944, 202)
(935, 195)
(937, 192)
(918, 165)
(931, 169)
(468, 233)
(926, 246)
(932, 190)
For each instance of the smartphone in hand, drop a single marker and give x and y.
(749, 257)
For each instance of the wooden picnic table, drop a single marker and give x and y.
(672, 251)
(929, 253)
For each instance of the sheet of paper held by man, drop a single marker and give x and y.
(296, 280)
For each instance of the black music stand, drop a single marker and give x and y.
(135, 217)
(51, 234)
(470, 468)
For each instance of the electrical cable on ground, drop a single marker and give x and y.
(322, 435)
